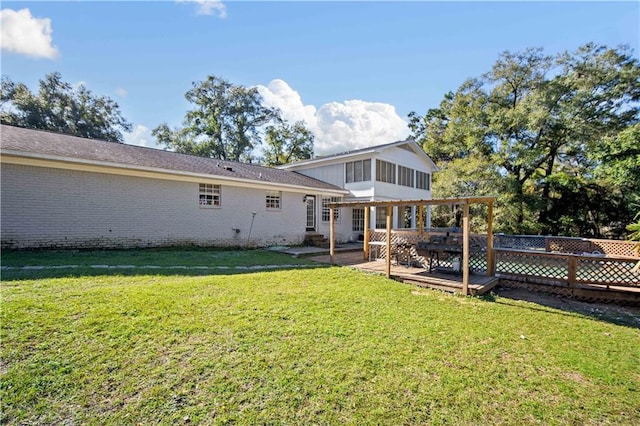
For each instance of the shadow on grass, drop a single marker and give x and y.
(620, 315)
(45, 264)
(37, 274)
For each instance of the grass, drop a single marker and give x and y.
(175, 261)
(299, 346)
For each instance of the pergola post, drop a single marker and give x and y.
(332, 236)
(420, 219)
(491, 265)
(388, 257)
(465, 249)
(367, 213)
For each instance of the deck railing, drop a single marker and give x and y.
(542, 259)
(564, 268)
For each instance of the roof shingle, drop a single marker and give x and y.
(17, 139)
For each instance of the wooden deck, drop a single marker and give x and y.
(478, 284)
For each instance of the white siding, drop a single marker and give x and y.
(47, 207)
(401, 157)
(333, 174)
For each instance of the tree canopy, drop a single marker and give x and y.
(62, 108)
(555, 137)
(224, 123)
(286, 143)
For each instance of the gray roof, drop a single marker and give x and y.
(17, 140)
(369, 149)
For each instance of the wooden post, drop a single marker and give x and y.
(491, 264)
(420, 219)
(332, 236)
(367, 212)
(465, 250)
(571, 272)
(389, 220)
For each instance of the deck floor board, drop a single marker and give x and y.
(478, 284)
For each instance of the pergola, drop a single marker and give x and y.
(465, 202)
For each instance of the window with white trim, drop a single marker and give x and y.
(423, 180)
(326, 210)
(381, 217)
(385, 171)
(209, 195)
(405, 176)
(357, 221)
(273, 200)
(358, 171)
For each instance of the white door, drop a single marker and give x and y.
(311, 212)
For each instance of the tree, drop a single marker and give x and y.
(61, 108)
(554, 130)
(224, 123)
(286, 143)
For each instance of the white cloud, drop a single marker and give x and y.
(141, 136)
(338, 126)
(23, 34)
(208, 7)
(121, 92)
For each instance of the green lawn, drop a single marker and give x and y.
(323, 345)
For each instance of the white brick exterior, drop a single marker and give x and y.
(55, 207)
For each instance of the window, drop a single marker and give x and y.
(358, 171)
(357, 222)
(385, 172)
(209, 195)
(423, 180)
(405, 216)
(326, 211)
(405, 176)
(381, 217)
(273, 200)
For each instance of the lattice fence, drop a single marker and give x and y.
(568, 245)
(616, 248)
(520, 242)
(613, 267)
(607, 272)
(531, 264)
(571, 269)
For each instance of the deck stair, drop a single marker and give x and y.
(477, 284)
(316, 240)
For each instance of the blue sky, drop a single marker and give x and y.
(352, 70)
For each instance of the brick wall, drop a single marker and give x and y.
(47, 207)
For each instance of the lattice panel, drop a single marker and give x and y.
(478, 262)
(377, 236)
(568, 245)
(607, 271)
(520, 242)
(565, 291)
(616, 248)
(524, 264)
(478, 240)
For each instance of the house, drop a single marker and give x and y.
(69, 192)
(394, 171)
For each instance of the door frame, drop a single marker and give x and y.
(310, 201)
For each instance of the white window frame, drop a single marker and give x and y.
(423, 180)
(273, 200)
(385, 172)
(209, 195)
(357, 171)
(405, 176)
(357, 219)
(326, 210)
(381, 217)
